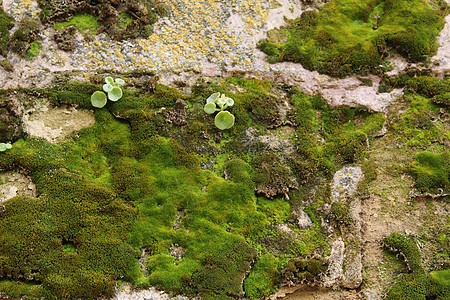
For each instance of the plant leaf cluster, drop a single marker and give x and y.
(216, 102)
(112, 87)
(5, 146)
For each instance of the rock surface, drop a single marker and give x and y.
(126, 292)
(55, 123)
(345, 183)
(14, 184)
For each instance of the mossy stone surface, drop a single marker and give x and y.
(347, 37)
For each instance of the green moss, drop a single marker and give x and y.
(431, 171)
(416, 285)
(348, 145)
(263, 278)
(341, 212)
(347, 37)
(408, 248)
(6, 23)
(24, 36)
(21, 288)
(418, 82)
(33, 51)
(84, 23)
(224, 268)
(126, 185)
(421, 286)
(300, 270)
(410, 286)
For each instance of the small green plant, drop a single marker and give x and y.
(216, 102)
(112, 87)
(34, 50)
(5, 146)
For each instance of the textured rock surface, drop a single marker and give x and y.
(14, 184)
(126, 292)
(54, 123)
(335, 272)
(345, 183)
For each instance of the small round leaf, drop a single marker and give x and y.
(115, 94)
(230, 101)
(213, 97)
(109, 80)
(224, 120)
(107, 87)
(98, 99)
(222, 100)
(120, 81)
(210, 108)
(2, 146)
(8, 145)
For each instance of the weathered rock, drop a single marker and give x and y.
(302, 219)
(335, 271)
(352, 278)
(177, 251)
(54, 123)
(127, 292)
(14, 184)
(345, 183)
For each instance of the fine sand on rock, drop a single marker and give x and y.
(55, 123)
(126, 292)
(14, 184)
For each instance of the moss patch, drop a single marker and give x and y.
(84, 23)
(119, 21)
(347, 37)
(416, 285)
(6, 23)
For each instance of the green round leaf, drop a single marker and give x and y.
(107, 87)
(210, 108)
(2, 146)
(109, 80)
(120, 81)
(98, 99)
(8, 145)
(213, 97)
(230, 101)
(115, 94)
(222, 100)
(224, 120)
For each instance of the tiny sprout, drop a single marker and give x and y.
(112, 87)
(5, 146)
(216, 102)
